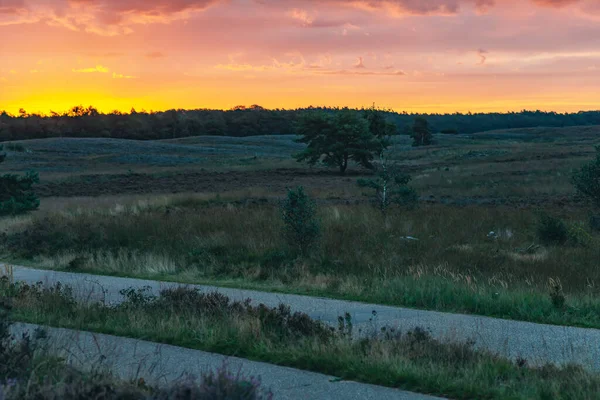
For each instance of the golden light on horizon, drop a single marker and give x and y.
(437, 58)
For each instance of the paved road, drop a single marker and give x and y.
(537, 343)
(163, 364)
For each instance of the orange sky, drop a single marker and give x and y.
(413, 55)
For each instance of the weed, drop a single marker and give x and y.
(556, 293)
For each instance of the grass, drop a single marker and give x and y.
(29, 371)
(409, 360)
(455, 265)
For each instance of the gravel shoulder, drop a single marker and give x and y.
(537, 343)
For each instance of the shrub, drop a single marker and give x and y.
(16, 147)
(301, 227)
(552, 230)
(587, 180)
(595, 223)
(578, 236)
(16, 194)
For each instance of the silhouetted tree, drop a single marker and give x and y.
(336, 139)
(421, 133)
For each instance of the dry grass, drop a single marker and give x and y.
(412, 360)
(456, 264)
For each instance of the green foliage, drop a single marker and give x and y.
(16, 195)
(587, 180)
(552, 230)
(346, 135)
(421, 132)
(390, 186)
(595, 223)
(578, 236)
(557, 295)
(17, 147)
(301, 226)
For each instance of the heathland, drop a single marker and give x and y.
(207, 209)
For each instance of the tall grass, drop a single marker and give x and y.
(411, 360)
(436, 257)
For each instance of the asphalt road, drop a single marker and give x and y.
(161, 364)
(537, 343)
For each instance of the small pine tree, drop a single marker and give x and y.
(390, 185)
(421, 132)
(16, 194)
(301, 226)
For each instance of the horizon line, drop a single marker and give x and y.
(23, 113)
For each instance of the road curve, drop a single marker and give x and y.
(161, 364)
(537, 343)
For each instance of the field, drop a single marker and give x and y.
(207, 210)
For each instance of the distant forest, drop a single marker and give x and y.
(248, 121)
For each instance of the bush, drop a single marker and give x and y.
(16, 147)
(587, 180)
(595, 223)
(552, 231)
(301, 227)
(16, 194)
(578, 236)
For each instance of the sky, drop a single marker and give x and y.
(433, 56)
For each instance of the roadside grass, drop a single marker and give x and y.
(410, 360)
(31, 371)
(455, 265)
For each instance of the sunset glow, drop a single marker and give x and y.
(425, 56)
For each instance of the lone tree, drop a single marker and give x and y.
(16, 194)
(421, 133)
(390, 186)
(345, 135)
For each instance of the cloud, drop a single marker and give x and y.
(364, 73)
(97, 68)
(393, 7)
(155, 54)
(121, 76)
(12, 7)
(103, 17)
(359, 63)
(555, 3)
(482, 56)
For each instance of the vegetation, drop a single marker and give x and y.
(587, 180)
(410, 360)
(552, 230)
(29, 372)
(390, 186)
(301, 226)
(16, 194)
(247, 121)
(346, 135)
(432, 257)
(421, 132)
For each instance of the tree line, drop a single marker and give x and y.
(249, 121)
